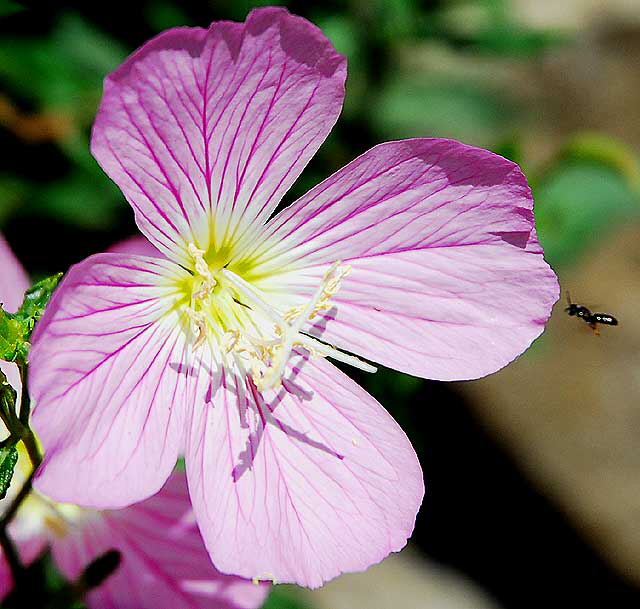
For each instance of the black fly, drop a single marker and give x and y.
(591, 319)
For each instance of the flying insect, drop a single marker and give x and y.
(591, 319)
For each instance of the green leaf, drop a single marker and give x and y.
(7, 392)
(10, 336)
(343, 34)
(395, 19)
(488, 27)
(429, 105)
(64, 69)
(91, 52)
(8, 400)
(37, 297)
(511, 40)
(16, 328)
(284, 597)
(577, 203)
(602, 148)
(8, 460)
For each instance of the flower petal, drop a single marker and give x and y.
(448, 279)
(164, 562)
(13, 284)
(303, 484)
(13, 279)
(217, 122)
(108, 381)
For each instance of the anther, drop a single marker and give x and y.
(202, 268)
(269, 577)
(200, 326)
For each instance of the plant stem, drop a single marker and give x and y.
(19, 428)
(33, 450)
(25, 401)
(7, 517)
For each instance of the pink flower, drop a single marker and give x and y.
(420, 255)
(164, 564)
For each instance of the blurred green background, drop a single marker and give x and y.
(513, 503)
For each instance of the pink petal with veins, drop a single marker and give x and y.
(164, 564)
(109, 382)
(302, 484)
(448, 279)
(217, 122)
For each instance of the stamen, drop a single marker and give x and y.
(266, 355)
(314, 346)
(320, 301)
(267, 359)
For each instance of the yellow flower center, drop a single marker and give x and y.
(243, 324)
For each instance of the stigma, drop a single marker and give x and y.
(237, 318)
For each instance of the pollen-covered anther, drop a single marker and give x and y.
(230, 340)
(199, 326)
(256, 353)
(264, 577)
(202, 268)
(328, 288)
